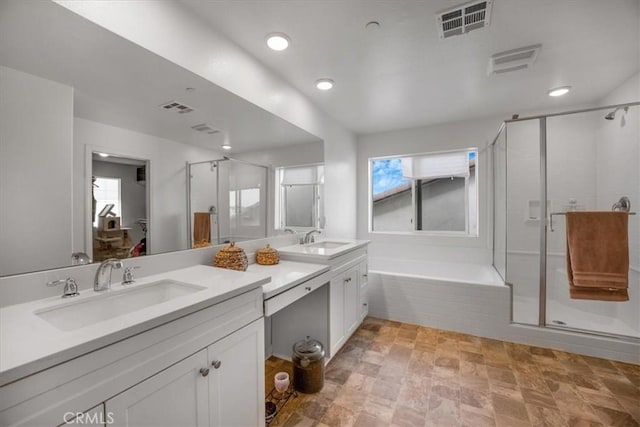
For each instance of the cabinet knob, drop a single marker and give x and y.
(216, 364)
(307, 288)
(365, 304)
(364, 275)
(204, 372)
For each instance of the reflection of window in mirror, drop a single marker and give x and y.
(244, 207)
(431, 192)
(299, 193)
(107, 191)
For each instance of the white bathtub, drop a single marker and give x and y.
(460, 297)
(441, 271)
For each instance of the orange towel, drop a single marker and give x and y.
(598, 255)
(201, 229)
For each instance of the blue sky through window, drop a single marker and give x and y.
(387, 174)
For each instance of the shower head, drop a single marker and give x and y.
(612, 115)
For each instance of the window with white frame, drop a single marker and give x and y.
(430, 192)
(299, 194)
(107, 191)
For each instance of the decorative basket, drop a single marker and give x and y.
(267, 256)
(231, 257)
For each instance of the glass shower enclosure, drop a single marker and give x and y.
(548, 165)
(233, 194)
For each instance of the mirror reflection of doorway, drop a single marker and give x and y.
(119, 207)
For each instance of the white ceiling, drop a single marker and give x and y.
(119, 83)
(403, 75)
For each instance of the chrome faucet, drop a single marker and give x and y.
(70, 287)
(308, 238)
(102, 281)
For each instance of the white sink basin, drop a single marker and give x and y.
(327, 245)
(78, 314)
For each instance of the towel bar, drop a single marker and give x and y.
(564, 213)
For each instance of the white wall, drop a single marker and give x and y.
(36, 129)
(618, 151)
(450, 136)
(166, 177)
(196, 46)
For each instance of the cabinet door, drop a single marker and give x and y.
(176, 396)
(363, 282)
(236, 382)
(351, 301)
(336, 313)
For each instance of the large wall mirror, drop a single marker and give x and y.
(89, 119)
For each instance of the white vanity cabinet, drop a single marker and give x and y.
(217, 386)
(347, 298)
(345, 308)
(176, 396)
(157, 377)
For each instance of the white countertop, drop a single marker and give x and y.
(286, 274)
(313, 252)
(30, 344)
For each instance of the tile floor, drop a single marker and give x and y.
(396, 374)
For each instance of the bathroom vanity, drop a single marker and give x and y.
(196, 357)
(347, 290)
(185, 347)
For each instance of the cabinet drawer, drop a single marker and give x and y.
(277, 303)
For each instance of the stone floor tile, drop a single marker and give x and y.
(396, 374)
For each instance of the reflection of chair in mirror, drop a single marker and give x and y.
(201, 229)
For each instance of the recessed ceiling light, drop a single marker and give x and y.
(103, 155)
(325, 84)
(226, 142)
(278, 41)
(559, 91)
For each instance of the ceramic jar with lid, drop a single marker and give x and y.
(308, 365)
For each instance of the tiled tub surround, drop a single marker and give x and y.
(471, 298)
(392, 373)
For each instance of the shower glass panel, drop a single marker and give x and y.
(203, 195)
(499, 159)
(591, 163)
(245, 186)
(523, 217)
(234, 193)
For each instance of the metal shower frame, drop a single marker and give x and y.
(223, 159)
(544, 224)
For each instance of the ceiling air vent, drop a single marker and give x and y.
(513, 60)
(203, 127)
(178, 107)
(464, 18)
